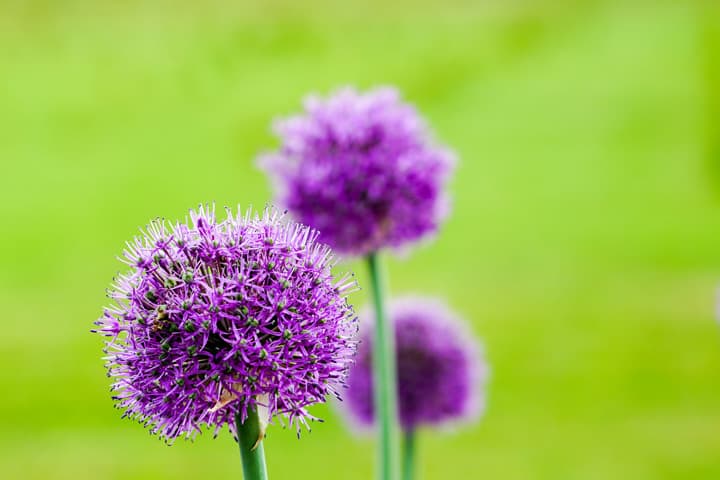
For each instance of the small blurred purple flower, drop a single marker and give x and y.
(218, 317)
(362, 169)
(441, 373)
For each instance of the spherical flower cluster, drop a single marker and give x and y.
(362, 169)
(440, 372)
(218, 317)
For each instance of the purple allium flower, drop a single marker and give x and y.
(441, 373)
(216, 317)
(362, 169)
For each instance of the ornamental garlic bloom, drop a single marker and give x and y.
(441, 374)
(362, 169)
(216, 318)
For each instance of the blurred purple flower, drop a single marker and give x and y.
(216, 317)
(441, 373)
(362, 169)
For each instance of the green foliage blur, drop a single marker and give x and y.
(583, 245)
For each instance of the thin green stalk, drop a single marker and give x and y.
(409, 455)
(384, 376)
(252, 453)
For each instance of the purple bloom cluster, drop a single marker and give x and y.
(217, 317)
(440, 372)
(362, 169)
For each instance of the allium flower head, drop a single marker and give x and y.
(216, 317)
(362, 169)
(440, 371)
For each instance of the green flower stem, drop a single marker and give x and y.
(409, 455)
(252, 453)
(384, 376)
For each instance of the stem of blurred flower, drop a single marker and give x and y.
(408, 455)
(252, 454)
(384, 375)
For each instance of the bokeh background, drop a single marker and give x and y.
(583, 246)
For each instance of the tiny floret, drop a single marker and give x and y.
(362, 169)
(441, 372)
(194, 336)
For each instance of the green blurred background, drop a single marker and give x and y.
(583, 245)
